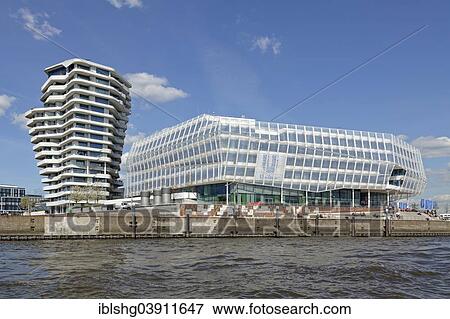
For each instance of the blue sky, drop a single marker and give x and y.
(251, 58)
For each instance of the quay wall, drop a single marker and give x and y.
(116, 225)
(21, 225)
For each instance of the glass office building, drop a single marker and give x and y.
(10, 196)
(253, 161)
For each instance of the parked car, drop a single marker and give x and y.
(124, 205)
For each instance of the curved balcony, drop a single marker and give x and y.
(41, 154)
(65, 175)
(70, 184)
(40, 145)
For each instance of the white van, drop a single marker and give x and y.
(124, 205)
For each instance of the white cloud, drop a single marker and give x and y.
(154, 88)
(437, 180)
(123, 166)
(431, 146)
(265, 43)
(126, 3)
(20, 119)
(130, 139)
(124, 158)
(37, 22)
(443, 200)
(442, 197)
(5, 103)
(439, 175)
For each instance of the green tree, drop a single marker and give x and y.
(89, 194)
(95, 194)
(78, 195)
(26, 203)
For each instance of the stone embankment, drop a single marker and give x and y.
(150, 224)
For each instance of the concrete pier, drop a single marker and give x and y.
(155, 225)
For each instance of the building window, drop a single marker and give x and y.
(81, 116)
(97, 118)
(102, 71)
(101, 100)
(96, 145)
(83, 67)
(96, 137)
(83, 77)
(97, 128)
(58, 71)
(102, 91)
(101, 81)
(97, 109)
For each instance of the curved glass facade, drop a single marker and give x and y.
(213, 149)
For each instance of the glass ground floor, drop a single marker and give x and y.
(243, 194)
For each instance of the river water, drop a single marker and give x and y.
(227, 268)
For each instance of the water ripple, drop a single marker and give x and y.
(227, 268)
